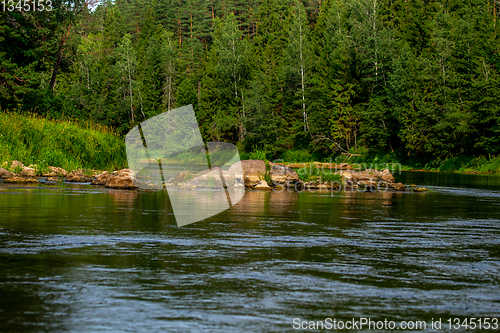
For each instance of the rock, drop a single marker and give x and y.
(367, 175)
(54, 172)
(17, 164)
(181, 177)
(77, 177)
(125, 181)
(349, 175)
(212, 178)
(253, 171)
(283, 175)
(311, 185)
(237, 170)
(326, 186)
(397, 186)
(27, 172)
(52, 179)
(262, 185)
(124, 172)
(5, 174)
(20, 180)
(102, 179)
(368, 185)
(387, 176)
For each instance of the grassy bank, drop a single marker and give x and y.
(364, 159)
(63, 143)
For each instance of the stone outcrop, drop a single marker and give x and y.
(122, 179)
(212, 178)
(5, 174)
(397, 186)
(282, 175)
(368, 175)
(78, 177)
(27, 172)
(262, 185)
(17, 164)
(20, 180)
(102, 179)
(181, 177)
(124, 172)
(253, 171)
(55, 172)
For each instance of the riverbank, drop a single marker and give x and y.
(71, 145)
(380, 161)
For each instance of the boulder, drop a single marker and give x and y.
(27, 172)
(262, 185)
(283, 175)
(17, 164)
(52, 179)
(349, 175)
(20, 180)
(253, 171)
(212, 178)
(5, 174)
(102, 179)
(124, 172)
(387, 176)
(54, 172)
(397, 186)
(367, 175)
(125, 181)
(311, 185)
(78, 177)
(368, 185)
(181, 177)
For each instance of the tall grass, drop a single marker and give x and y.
(63, 143)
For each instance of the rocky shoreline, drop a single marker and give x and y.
(251, 174)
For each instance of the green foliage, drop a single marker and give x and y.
(410, 81)
(258, 155)
(312, 172)
(66, 144)
(298, 156)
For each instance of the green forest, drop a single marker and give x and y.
(418, 80)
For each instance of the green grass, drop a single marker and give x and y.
(63, 143)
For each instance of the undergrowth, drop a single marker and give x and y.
(68, 144)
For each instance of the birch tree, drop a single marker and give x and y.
(126, 65)
(169, 54)
(298, 54)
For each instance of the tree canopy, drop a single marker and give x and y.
(417, 77)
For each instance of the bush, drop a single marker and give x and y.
(298, 156)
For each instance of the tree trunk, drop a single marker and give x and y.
(57, 65)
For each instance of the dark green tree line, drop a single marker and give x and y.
(419, 78)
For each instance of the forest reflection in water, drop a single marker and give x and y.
(77, 258)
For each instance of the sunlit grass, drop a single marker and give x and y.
(63, 143)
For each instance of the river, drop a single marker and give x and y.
(75, 258)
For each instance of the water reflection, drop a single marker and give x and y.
(79, 259)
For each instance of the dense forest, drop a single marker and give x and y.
(416, 78)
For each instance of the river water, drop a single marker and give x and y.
(75, 258)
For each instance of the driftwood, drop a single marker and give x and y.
(349, 155)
